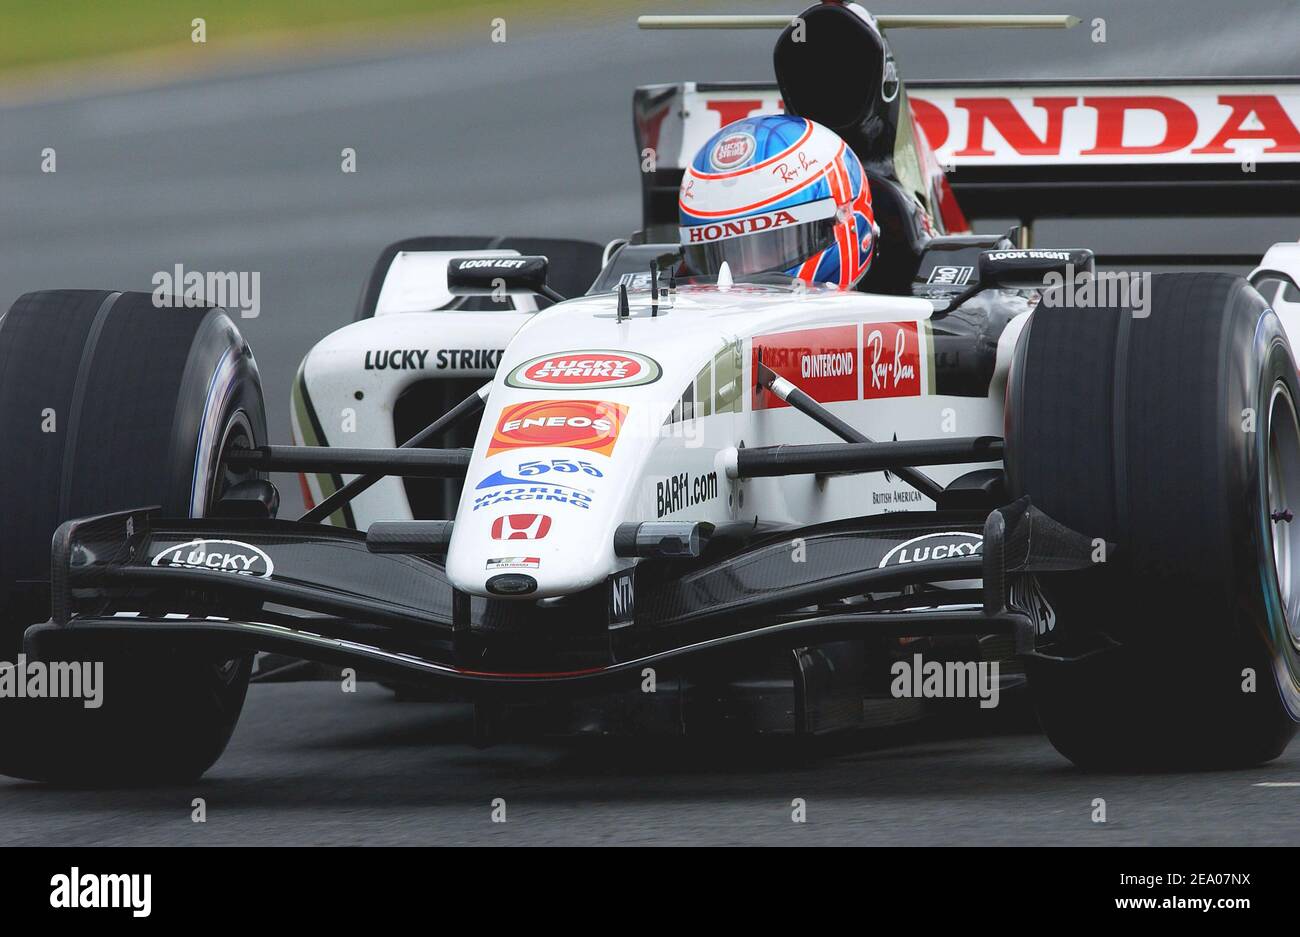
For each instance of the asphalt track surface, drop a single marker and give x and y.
(311, 765)
(533, 137)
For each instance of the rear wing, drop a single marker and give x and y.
(1042, 149)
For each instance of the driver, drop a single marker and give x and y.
(781, 194)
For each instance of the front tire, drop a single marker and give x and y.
(1174, 436)
(107, 403)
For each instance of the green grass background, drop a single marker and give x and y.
(40, 32)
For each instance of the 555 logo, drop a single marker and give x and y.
(536, 481)
(591, 425)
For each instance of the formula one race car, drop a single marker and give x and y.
(694, 504)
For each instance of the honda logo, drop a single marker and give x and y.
(730, 229)
(521, 527)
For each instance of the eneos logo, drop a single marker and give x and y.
(581, 369)
(590, 425)
(732, 151)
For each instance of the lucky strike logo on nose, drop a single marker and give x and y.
(590, 425)
(577, 369)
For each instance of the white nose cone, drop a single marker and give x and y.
(724, 277)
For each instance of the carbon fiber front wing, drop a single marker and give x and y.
(318, 593)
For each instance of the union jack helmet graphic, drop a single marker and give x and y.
(776, 193)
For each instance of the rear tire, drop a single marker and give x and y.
(1183, 649)
(107, 403)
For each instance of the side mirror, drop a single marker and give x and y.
(1028, 268)
(487, 276)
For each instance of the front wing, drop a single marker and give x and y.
(318, 593)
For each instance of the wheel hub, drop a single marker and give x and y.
(1284, 489)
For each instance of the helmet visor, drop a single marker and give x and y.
(761, 252)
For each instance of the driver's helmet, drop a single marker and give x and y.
(777, 194)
